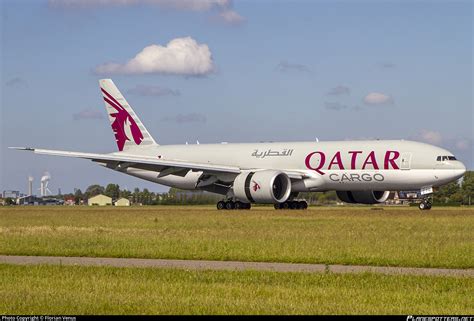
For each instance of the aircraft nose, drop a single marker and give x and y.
(459, 169)
(462, 167)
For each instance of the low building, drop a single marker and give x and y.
(34, 200)
(69, 201)
(29, 200)
(99, 200)
(12, 194)
(122, 202)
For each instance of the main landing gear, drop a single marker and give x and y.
(292, 205)
(425, 204)
(231, 205)
(237, 205)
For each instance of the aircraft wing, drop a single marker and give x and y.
(164, 166)
(145, 162)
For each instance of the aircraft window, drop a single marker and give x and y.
(445, 158)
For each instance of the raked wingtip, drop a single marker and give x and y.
(22, 148)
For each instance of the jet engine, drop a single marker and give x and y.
(363, 197)
(267, 186)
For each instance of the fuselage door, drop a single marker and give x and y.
(405, 162)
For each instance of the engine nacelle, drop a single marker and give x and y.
(267, 186)
(363, 197)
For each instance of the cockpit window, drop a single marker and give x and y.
(445, 158)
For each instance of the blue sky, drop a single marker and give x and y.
(285, 70)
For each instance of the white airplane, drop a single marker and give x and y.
(359, 171)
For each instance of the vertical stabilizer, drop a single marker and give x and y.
(129, 131)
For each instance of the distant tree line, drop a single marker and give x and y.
(455, 193)
(176, 196)
(319, 198)
(144, 197)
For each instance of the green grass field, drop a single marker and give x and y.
(441, 237)
(42, 289)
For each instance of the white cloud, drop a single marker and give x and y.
(226, 14)
(230, 17)
(16, 81)
(463, 144)
(149, 90)
(375, 98)
(339, 91)
(285, 66)
(88, 114)
(430, 136)
(181, 56)
(387, 65)
(186, 118)
(193, 5)
(334, 106)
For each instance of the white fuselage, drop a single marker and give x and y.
(338, 165)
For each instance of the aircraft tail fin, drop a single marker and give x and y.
(129, 131)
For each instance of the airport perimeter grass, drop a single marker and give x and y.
(442, 237)
(42, 289)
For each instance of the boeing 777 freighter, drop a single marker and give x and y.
(273, 173)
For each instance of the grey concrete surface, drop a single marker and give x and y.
(230, 265)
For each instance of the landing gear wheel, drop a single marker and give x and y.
(305, 205)
(302, 205)
(425, 205)
(220, 205)
(293, 205)
(229, 205)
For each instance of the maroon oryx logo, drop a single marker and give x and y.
(123, 123)
(255, 186)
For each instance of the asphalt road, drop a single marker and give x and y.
(230, 265)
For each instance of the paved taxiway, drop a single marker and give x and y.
(230, 265)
